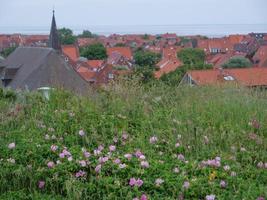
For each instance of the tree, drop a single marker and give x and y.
(146, 73)
(175, 77)
(146, 58)
(7, 51)
(87, 34)
(94, 52)
(120, 45)
(192, 56)
(237, 62)
(66, 36)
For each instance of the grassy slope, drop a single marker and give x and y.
(221, 114)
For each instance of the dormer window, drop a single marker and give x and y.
(110, 76)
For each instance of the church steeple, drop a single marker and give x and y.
(54, 38)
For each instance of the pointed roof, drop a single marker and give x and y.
(54, 38)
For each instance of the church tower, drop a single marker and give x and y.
(53, 37)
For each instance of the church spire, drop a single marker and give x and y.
(54, 38)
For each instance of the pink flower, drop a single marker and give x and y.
(255, 124)
(86, 154)
(153, 139)
(260, 198)
(50, 164)
(124, 136)
(122, 166)
(62, 155)
(41, 184)
(138, 153)
(159, 181)
(102, 160)
(81, 133)
(80, 174)
(66, 152)
(112, 148)
(115, 140)
(70, 158)
(144, 164)
(12, 145)
(135, 182)
(117, 161)
(98, 168)
(143, 197)
(128, 156)
(177, 144)
(223, 184)
(260, 165)
(210, 197)
(186, 184)
(181, 157)
(54, 147)
(82, 163)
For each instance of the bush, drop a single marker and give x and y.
(94, 52)
(237, 62)
(146, 58)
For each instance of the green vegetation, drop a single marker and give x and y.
(237, 62)
(95, 51)
(161, 135)
(6, 52)
(66, 36)
(87, 34)
(146, 58)
(193, 59)
(120, 45)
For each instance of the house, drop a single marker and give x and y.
(36, 40)
(71, 52)
(116, 59)
(215, 45)
(124, 51)
(83, 42)
(31, 68)
(260, 57)
(249, 77)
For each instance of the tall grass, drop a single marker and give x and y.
(206, 122)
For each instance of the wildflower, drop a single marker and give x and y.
(179, 136)
(255, 124)
(212, 176)
(54, 147)
(103, 159)
(66, 152)
(98, 168)
(12, 145)
(70, 158)
(142, 157)
(135, 182)
(159, 181)
(160, 153)
(58, 162)
(41, 184)
(223, 184)
(117, 161)
(11, 160)
(210, 197)
(82, 163)
(242, 149)
(260, 198)
(115, 140)
(122, 166)
(128, 156)
(80, 174)
(51, 129)
(213, 163)
(144, 164)
(138, 153)
(177, 144)
(181, 157)
(62, 155)
(233, 174)
(50, 164)
(136, 198)
(47, 137)
(100, 147)
(226, 167)
(53, 137)
(153, 140)
(81, 133)
(143, 197)
(97, 152)
(86, 154)
(124, 136)
(161, 161)
(176, 170)
(186, 184)
(260, 165)
(112, 148)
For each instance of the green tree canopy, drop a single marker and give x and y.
(87, 34)
(94, 52)
(192, 56)
(146, 58)
(66, 36)
(237, 62)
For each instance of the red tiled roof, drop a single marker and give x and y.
(166, 66)
(95, 63)
(243, 76)
(82, 42)
(86, 73)
(125, 51)
(261, 56)
(234, 39)
(71, 51)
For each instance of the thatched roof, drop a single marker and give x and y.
(32, 68)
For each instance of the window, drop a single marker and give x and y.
(228, 78)
(110, 76)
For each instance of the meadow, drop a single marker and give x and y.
(130, 141)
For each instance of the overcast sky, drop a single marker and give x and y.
(132, 12)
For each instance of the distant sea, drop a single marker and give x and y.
(214, 30)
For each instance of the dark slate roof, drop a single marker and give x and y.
(41, 67)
